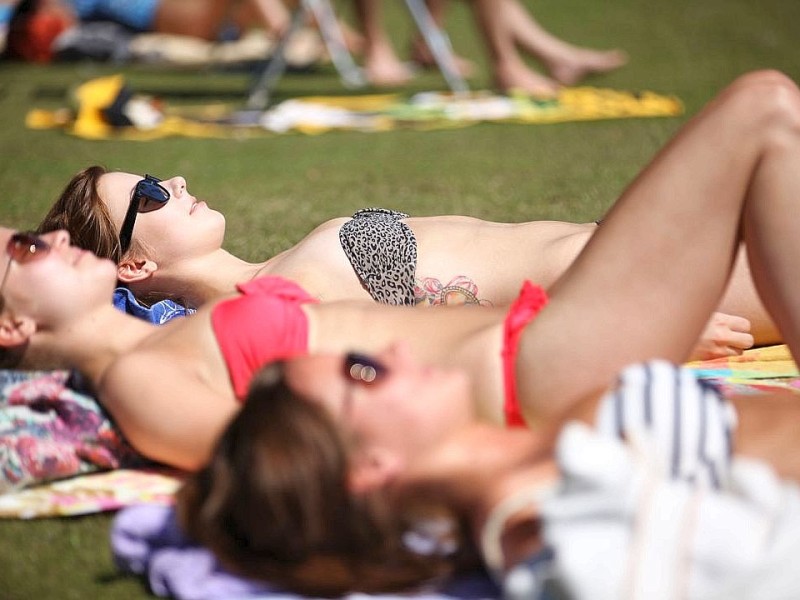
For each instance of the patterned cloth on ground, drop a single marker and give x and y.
(758, 370)
(92, 493)
(315, 115)
(49, 431)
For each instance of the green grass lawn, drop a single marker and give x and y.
(275, 189)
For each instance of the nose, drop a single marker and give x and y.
(175, 185)
(58, 239)
(398, 353)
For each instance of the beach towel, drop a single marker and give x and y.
(758, 370)
(106, 108)
(93, 493)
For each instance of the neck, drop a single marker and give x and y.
(506, 463)
(197, 281)
(81, 346)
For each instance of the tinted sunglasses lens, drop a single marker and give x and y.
(25, 247)
(363, 368)
(152, 195)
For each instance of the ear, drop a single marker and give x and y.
(15, 330)
(132, 270)
(372, 469)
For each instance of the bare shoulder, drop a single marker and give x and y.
(319, 242)
(133, 370)
(319, 264)
(166, 408)
(163, 376)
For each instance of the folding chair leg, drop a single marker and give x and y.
(439, 45)
(332, 36)
(275, 67)
(350, 74)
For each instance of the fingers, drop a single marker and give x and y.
(724, 335)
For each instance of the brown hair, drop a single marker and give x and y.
(11, 356)
(273, 503)
(80, 210)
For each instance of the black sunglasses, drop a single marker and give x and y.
(363, 369)
(23, 248)
(148, 195)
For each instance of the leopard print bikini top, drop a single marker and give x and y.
(383, 252)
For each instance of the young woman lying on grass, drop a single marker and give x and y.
(346, 472)
(371, 491)
(642, 287)
(173, 248)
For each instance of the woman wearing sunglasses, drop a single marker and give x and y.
(168, 244)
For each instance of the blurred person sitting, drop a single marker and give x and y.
(37, 23)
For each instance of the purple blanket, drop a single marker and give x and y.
(147, 541)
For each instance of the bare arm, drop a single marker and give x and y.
(169, 414)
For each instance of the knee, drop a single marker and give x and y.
(768, 100)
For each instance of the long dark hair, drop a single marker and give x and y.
(273, 503)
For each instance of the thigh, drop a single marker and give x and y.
(197, 18)
(647, 281)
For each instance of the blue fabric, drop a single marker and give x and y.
(147, 540)
(159, 313)
(136, 14)
(6, 11)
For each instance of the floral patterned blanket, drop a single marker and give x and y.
(50, 429)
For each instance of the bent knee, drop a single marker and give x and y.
(768, 99)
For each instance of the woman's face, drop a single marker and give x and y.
(183, 228)
(56, 284)
(408, 409)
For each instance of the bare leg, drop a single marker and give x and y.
(648, 279)
(420, 53)
(273, 12)
(381, 64)
(202, 18)
(509, 71)
(566, 63)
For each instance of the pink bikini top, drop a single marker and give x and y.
(264, 324)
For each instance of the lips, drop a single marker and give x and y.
(195, 205)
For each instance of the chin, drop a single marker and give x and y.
(219, 227)
(213, 230)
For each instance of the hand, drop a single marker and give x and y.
(724, 335)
